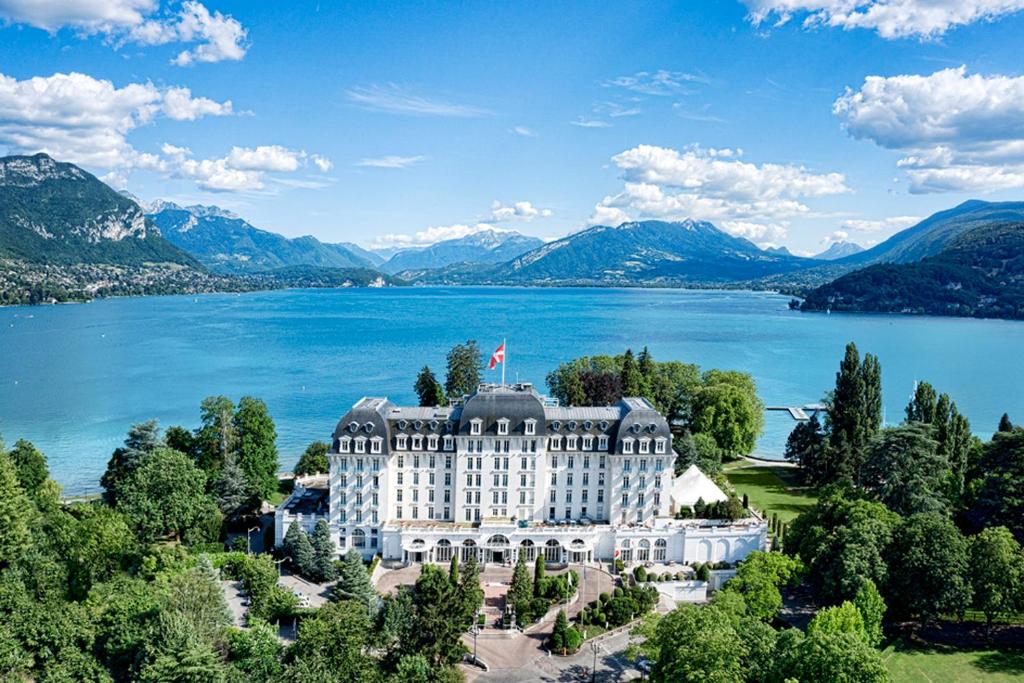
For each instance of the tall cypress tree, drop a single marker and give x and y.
(428, 389)
(631, 379)
(520, 591)
(324, 553)
(257, 445)
(1004, 423)
(923, 404)
(854, 415)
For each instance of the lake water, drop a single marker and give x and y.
(74, 378)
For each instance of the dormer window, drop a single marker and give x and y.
(530, 427)
(627, 445)
(375, 444)
(345, 445)
(432, 442)
(645, 445)
(588, 443)
(556, 443)
(360, 445)
(417, 442)
(570, 442)
(449, 442)
(503, 427)
(476, 427)
(659, 445)
(401, 442)
(602, 443)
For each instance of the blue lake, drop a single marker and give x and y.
(73, 378)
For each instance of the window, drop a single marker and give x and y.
(627, 465)
(627, 445)
(401, 460)
(398, 495)
(447, 497)
(571, 462)
(625, 481)
(554, 478)
(432, 443)
(398, 512)
(570, 442)
(586, 462)
(659, 446)
(447, 478)
(602, 443)
(600, 462)
(375, 444)
(660, 548)
(588, 443)
(401, 442)
(600, 479)
(449, 444)
(643, 464)
(342, 517)
(430, 478)
(399, 477)
(639, 516)
(640, 499)
(415, 513)
(659, 464)
(625, 500)
(600, 496)
(417, 442)
(343, 480)
(555, 444)
(415, 495)
(552, 496)
(415, 461)
(530, 427)
(586, 478)
(502, 427)
(345, 446)
(476, 427)
(522, 463)
(497, 479)
(645, 445)
(342, 498)
(360, 445)
(568, 513)
(522, 480)
(585, 495)
(469, 497)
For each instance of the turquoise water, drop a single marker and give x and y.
(73, 378)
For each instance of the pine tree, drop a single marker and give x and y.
(297, 545)
(257, 446)
(646, 365)
(353, 580)
(324, 553)
(142, 439)
(630, 377)
(559, 635)
(464, 367)
(470, 595)
(231, 490)
(453, 568)
(538, 574)
(520, 591)
(14, 513)
(1004, 423)
(428, 388)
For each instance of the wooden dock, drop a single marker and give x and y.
(800, 414)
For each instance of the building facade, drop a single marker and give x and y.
(508, 469)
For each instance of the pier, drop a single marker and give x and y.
(800, 413)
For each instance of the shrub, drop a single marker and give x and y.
(667, 576)
(640, 574)
(621, 610)
(573, 639)
(604, 597)
(703, 573)
(680, 576)
(617, 592)
(538, 607)
(619, 565)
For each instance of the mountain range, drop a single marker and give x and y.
(485, 246)
(838, 250)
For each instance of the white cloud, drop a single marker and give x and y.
(394, 99)
(217, 37)
(519, 211)
(322, 163)
(745, 199)
(891, 223)
(181, 106)
(660, 83)
(431, 235)
(590, 123)
(836, 236)
(889, 18)
(242, 169)
(85, 120)
(523, 131)
(958, 132)
(391, 161)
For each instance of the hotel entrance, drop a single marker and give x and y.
(498, 549)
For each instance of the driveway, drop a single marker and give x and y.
(233, 595)
(318, 594)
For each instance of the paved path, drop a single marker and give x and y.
(233, 595)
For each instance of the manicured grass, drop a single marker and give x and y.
(770, 488)
(945, 665)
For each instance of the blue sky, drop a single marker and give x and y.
(404, 123)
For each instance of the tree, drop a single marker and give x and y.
(256, 652)
(354, 580)
(758, 579)
(854, 413)
(217, 436)
(872, 609)
(333, 645)
(142, 439)
(15, 511)
(922, 407)
(728, 409)
(905, 471)
(98, 544)
(538, 574)
(439, 620)
(806, 446)
(192, 663)
(257, 446)
(697, 449)
(697, 644)
(231, 491)
(1004, 423)
(180, 439)
(197, 597)
(1000, 489)
(631, 379)
(165, 495)
(827, 657)
(296, 545)
(453, 568)
(469, 596)
(560, 632)
(30, 466)
(324, 554)
(520, 592)
(928, 568)
(464, 367)
(428, 389)
(843, 544)
(842, 618)
(997, 574)
(313, 459)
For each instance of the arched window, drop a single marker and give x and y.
(660, 550)
(553, 551)
(469, 549)
(443, 551)
(358, 538)
(643, 552)
(529, 549)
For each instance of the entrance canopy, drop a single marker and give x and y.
(416, 545)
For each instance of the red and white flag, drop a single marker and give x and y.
(497, 357)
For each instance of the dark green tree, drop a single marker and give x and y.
(520, 592)
(827, 657)
(854, 414)
(165, 495)
(560, 632)
(928, 568)
(1000, 486)
(923, 404)
(728, 409)
(296, 545)
(905, 470)
(1004, 423)
(181, 440)
(538, 574)
(15, 513)
(465, 365)
(314, 459)
(333, 645)
(697, 449)
(255, 652)
(428, 389)
(324, 554)
(196, 597)
(630, 377)
(257, 446)
(469, 594)
(453, 568)
(697, 643)
(231, 491)
(142, 439)
(354, 580)
(30, 465)
(807, 447)
(438, 625)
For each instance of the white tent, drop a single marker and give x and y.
(692, 485)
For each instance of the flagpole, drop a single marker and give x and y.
(504, 362)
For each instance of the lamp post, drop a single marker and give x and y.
(594, 647)
(278, 563)
(475, 631)
(248, 537)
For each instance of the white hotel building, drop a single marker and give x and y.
(507, 469)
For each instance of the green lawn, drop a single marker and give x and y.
(939, 665)
(770, 488)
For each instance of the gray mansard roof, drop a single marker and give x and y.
(631, 417)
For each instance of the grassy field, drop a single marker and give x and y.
(770, 488)
(953, 666)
